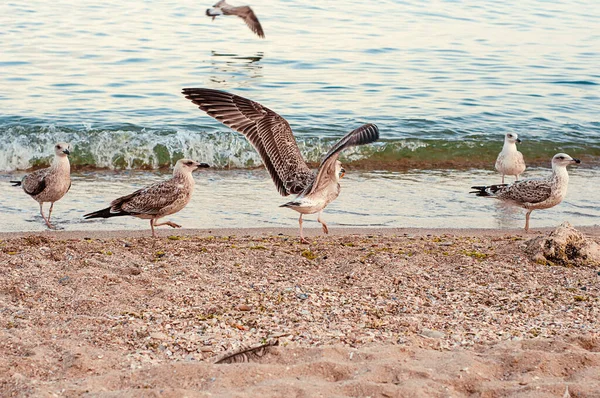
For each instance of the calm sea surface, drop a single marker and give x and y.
(442, 80)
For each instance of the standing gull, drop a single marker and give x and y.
(273, 139)
(534, 194)
(156, 200)
(50, 184)
(510, 161)
(244, 12)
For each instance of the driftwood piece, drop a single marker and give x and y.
(248, 354)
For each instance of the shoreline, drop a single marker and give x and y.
(591, 231)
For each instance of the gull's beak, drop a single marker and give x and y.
(519, 140)
(66, 152)
(575, 160)
(203, 165)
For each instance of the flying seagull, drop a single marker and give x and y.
(244, 12)
(273, 139)
(49, 184)
(156, 200)
(510, 161)
(534, 194)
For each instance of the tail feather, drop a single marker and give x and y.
(105, 213)
(291, 204)
(16, 183)
(488, 190)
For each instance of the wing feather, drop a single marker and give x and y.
(150, 200)
(269, 133)
(527, 191)
(365, 134)
(35, 183)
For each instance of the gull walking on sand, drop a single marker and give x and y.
(534, 194)
(157, 200)
(49, 184)
(273, 139)
(244, 12)
(510, 161)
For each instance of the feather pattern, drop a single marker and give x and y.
(528, 191)
(34, 183)
(365, 134)
(155, 201)
(248, 354)
(269, 133)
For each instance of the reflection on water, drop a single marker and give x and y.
(247, 198)
(235, 68)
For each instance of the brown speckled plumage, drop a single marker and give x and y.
(534, 194)
(49, 184)
(157, 200)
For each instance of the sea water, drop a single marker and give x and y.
(444, 81)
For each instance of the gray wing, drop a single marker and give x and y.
(269, 133)
(365, 134)
(248, 16)
(35, 183)
(149, 200)
(527, 191)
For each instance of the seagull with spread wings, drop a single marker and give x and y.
(273, 139)
(534, 194)
(49, 184)
(244, 12)
(157, 200)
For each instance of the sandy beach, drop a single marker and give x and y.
(360, 312)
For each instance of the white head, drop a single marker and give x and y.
(562, 159)
(61, 149)
(512, 138)
(184, 166)
(339, 170)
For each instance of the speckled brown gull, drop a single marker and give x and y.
(157, 200)
(244, 12)
(510, 161)
(273, 139)
(50, 184)
(534, 194)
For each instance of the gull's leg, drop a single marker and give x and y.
(50, 211)
(322, 223)
(302, 240)
(527, 220)
(517, 178)
(169, 223)
(44, 217)
(502, 178)
(152, 227)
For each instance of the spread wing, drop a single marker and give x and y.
(365, 134)
(527, 191)
(269, 133)
(248, 16)
(149, 200)
(35, 183)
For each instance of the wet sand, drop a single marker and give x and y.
(361, 312)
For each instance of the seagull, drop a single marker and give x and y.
(273, 139)
(534, 194)
(244, 12)
(49, 184)
(510, 161)
(156, 200)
